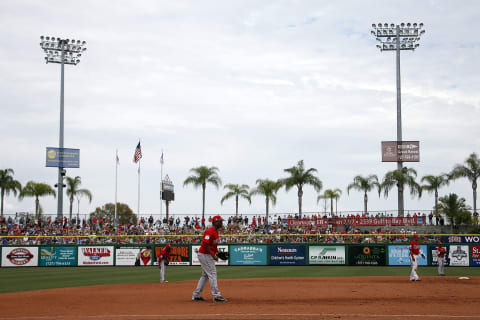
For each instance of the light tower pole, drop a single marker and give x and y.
(62, 51)
(396, 38)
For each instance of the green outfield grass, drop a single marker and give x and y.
(24, 279)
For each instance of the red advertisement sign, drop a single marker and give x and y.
(391, 221)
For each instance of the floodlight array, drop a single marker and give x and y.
(407, 34)
(53, 47)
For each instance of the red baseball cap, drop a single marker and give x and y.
(216, 218)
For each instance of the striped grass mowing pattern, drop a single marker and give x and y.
(24, 279)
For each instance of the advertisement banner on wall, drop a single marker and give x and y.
(248, 255)
(459, 256)
(220, 262)
(128, 256)
(19, 256)
(475, 256)
(399, 255)
(287, 255)
(58, 256)
(367, 255)
(95, 256)
(433, 256)
(179, 255)
(462, 239)
(326, 255)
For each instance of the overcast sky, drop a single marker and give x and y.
(250, 87)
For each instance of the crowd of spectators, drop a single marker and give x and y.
(25, 230)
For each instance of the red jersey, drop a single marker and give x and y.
(164, 254)
(414, 248)
(441, 252)
(209, 242)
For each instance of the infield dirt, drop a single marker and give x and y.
(286, 298)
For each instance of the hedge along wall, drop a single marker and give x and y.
(458, 254)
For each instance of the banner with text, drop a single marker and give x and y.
(128, 256)
(459, 256)
(95, 256)
(179, 255)
(399, 255)
(248, 255)
(220, 262)
(367, 255)
(63, 157)
(462, 239)
(397, 221)
(475, 256)
(326, 255)
(19, 256)
(58, 256)
(287, 255)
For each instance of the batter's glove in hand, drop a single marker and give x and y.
(222, 255)
(423, 256)
(167, 262)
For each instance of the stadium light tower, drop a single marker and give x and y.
(62, 51)
(393, 37)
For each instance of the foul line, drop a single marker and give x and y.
(213, 315)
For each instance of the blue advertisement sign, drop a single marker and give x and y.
(287, 255)
(58, 256)
(63, 157)
(248, 255)
(399, 255)
(462, 239)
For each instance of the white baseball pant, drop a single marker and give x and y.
(209, 273)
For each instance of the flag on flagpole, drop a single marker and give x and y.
(161, 158)
(117, 159)
(138, 153)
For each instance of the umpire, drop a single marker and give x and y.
(207, 255)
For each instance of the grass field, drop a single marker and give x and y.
(25, 279)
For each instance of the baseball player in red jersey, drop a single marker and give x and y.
(207, 255)
(163, 261)
(414, 253)
(441, 259)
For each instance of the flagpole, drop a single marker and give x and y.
(161, 184)
(138, 207)
(116, 184)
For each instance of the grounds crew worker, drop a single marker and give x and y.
(207, 255)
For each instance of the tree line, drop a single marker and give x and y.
(297, 177)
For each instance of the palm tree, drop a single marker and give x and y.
(330, 194)
(365, 184)
(33, 189)
(7, 185)
(455, 209)
(300, 177)
(471, 171)
(268, 189)
(203, 175)
(400, 178)
(433, 183)
(338, 194)
(237, 191)
(73, 190)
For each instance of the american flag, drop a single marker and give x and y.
(138, 153)
(161, 158)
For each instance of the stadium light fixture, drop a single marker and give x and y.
(61, 51)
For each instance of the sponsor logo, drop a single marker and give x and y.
(454, 239)
(474, 239)
(281, 250)
(20, 256)
(96, 254)
(459, 254)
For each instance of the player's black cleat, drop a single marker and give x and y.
(198, 299)
(219, 299)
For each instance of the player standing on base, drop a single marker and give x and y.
(207, 255)
(414, 253)
(163, 260)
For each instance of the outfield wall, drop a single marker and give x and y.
(458, 254)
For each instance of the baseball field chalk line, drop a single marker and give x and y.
(232, 315)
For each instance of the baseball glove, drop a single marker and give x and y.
(423, 256)
(222, 255)
(166, 262)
